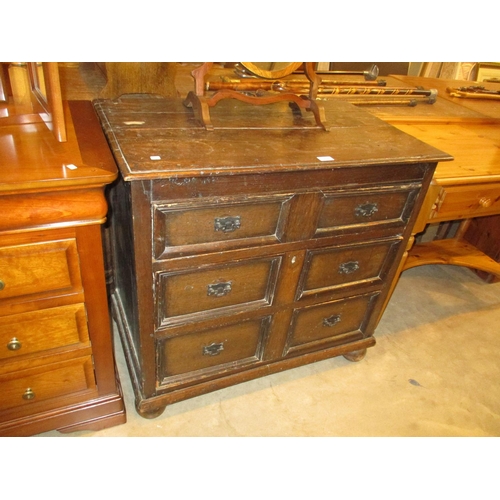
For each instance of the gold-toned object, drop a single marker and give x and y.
(485, 202)
(273, 70)
(474, 92)
(2, 285)
(28, 394)
(14, 344)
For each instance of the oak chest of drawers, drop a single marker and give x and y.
(57, 368)
(256, 247)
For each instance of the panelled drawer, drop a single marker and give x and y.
(462, 202)
(205, 353)
(30, 387)
(195, 227)
(366, 208)
(212, 291)
(42, 330)
(329, 268)
(339, 321)
(39, 269)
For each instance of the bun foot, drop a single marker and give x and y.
(150, 413)
(355, 355)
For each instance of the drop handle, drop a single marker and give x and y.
(331, 320)
(14, 344)
(213, 349)
(366, 209)
(219, 289)
(227, 224)
(28, 394)
(348, 267)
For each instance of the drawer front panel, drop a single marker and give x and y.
(370, 208)
(462, 202)
(30, 387)
(190, 228)
(49, 267)
(215, 291)
(216, 350)
(337, 321)
(33, 332)
(329, 268)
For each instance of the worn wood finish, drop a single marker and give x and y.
(238, 252)
(57, 367)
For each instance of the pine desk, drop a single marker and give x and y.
(466, 189)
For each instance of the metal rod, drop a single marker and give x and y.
(370, 74)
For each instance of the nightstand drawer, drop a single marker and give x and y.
(194, 227)
(345, 266)
(366, 208)
(216, 350)
(183, 296)
(462, 202)
(38, 269)
(30, 387)
(42, 330)
(335, 322)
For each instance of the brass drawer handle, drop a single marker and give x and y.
(213, 349)
(227, 224)
(331, 320)
(14, 345)
(2, 285)
(28, 394)
(366, 209)
(348, 267)
(219, 289)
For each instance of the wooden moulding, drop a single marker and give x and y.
(57, 208)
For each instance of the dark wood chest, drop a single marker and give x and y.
(259, 246)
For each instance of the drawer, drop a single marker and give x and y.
(38, 331)
(185, 296)
(29, 387)
(39, 269)
(187, 228)
(210, 352)
(366, 208)
(468, 201)
(335, 322)
(345, 266)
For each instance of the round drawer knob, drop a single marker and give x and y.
(14, 345)
(28, 394)
(2, 285)
(485, 202)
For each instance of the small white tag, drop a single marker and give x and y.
(325, 158)
(134, 123)
(71, 166)
(155, 157)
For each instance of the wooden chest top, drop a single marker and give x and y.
(154, 137)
